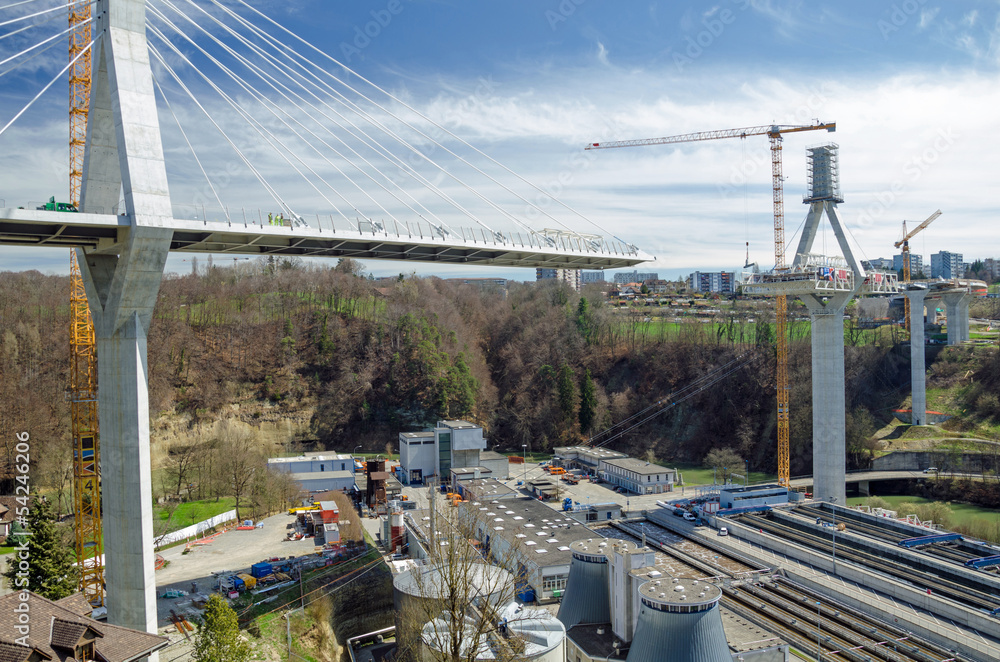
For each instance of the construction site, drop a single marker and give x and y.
(466, 552)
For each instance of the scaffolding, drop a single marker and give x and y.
(86, 455)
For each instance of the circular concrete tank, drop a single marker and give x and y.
(542, 635)
(586, 598)
(420, 594)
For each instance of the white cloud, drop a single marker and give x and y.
(927, 17)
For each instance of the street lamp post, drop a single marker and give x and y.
(524, 464)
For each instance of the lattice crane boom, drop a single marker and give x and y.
(905, 243)
(774, 132)
(83, 348)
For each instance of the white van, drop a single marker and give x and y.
(723, 531)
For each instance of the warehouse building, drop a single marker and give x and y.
(586, 458)
(320, 471)
(637, 476)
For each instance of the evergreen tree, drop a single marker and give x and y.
(583, 319)
(50, 571)
(218, 638)
(588, 402)
(567, 392)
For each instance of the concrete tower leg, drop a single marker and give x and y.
(829, 437)
(963, 316)
(918, 383)
(951, 310)
(124, 155)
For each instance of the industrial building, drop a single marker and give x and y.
(637, 476)
(947, 265)
(320, 471)
(570, 276)
(433, 453)
(722, 282)
(586, 458)
(753, 496)
(531, 535)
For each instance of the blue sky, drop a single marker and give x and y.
(911, 84)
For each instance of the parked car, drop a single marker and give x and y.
(723, 531)
(679, 512)
(690, 517)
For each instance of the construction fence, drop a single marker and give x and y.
(194, 530)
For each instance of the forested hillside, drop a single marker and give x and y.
(358, 361)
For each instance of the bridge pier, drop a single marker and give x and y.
(957, 309)
(864, 488)
(124, 155)
(828, 390)
(918, 378)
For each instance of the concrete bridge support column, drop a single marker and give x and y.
(864, 488)
(829, 442)
(918, 379)
(957, 309)
(124, 156)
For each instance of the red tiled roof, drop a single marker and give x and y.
(57, 628)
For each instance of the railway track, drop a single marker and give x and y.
(955, 590)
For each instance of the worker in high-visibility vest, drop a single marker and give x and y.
(270, 218)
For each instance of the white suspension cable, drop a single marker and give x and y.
(260, 177)
(254, 124)
(65, 8)
(29, 27)
(44, 89)
(27, 60)
(18, 4)
(275, 84)
(268, 38)
(191, 147)
(43, 42)
(419, 114)
(263, 100)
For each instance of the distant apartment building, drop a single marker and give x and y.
(591, 277)
(723, 282)
(916, 263)
(624, 277)
(992, 267)
(946, 264)
(571, 276)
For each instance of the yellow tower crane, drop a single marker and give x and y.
(774, 132)
(83, 349)
(905, 243)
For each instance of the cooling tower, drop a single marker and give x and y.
(586, 598)
(679, 621)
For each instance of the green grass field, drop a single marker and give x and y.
(190, 512)
(696, 474)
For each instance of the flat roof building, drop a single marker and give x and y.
(587, 458)
(637, 476)
(433, 453)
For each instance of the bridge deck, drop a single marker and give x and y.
(29, 227)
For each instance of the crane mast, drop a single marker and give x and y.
(905, 243)
(83, 349)
(774, 133)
